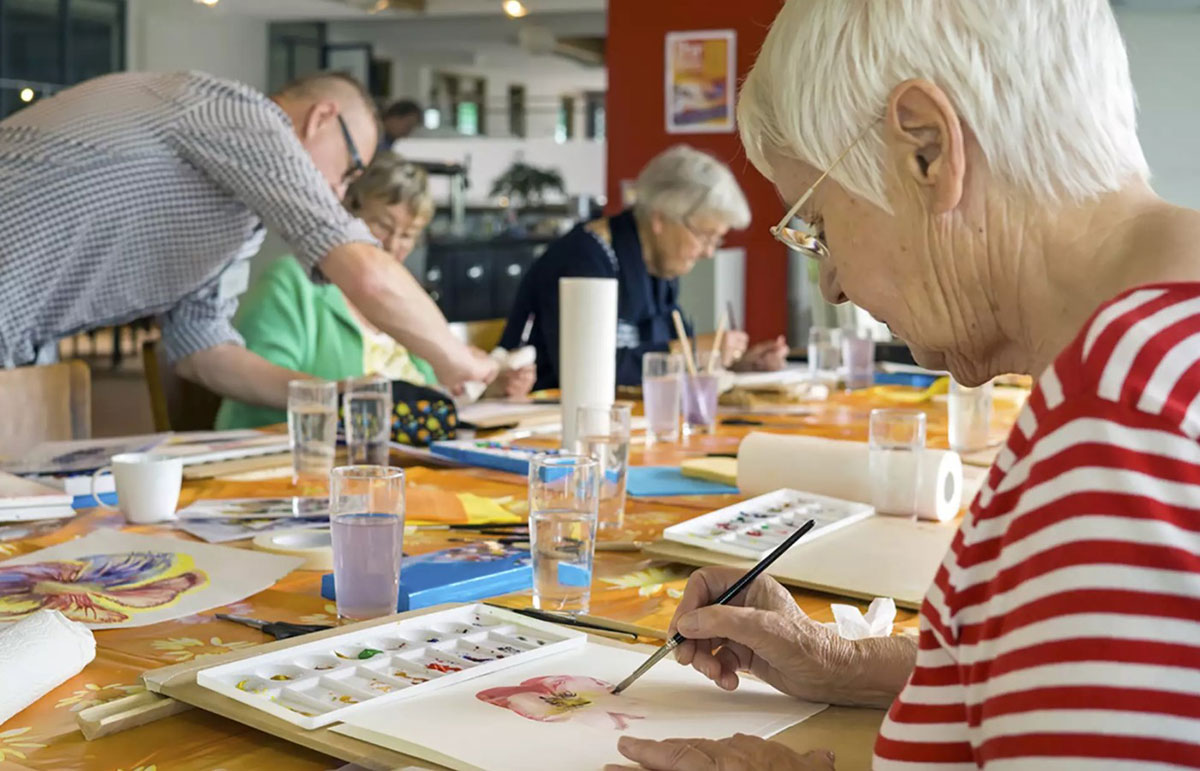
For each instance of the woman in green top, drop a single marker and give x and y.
(295, 322)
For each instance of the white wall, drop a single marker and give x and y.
(1164, 55)
(168, 35)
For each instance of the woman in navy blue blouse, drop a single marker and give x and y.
(687, 201)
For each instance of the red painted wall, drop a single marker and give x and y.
(636, 127)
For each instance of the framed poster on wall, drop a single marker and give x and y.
(701, 81)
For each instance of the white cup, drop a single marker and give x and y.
(147, 486)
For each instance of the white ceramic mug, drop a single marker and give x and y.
(147, 486)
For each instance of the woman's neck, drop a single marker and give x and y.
(1049, 277)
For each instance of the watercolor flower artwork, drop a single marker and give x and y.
(109, 578)
(101, 588)
(563, 698)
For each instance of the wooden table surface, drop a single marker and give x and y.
(627, 587)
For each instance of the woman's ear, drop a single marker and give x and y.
(925, 134)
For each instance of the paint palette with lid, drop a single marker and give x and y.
(752, 528)
(317, 683)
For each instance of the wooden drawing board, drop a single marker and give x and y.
(877, 557)
(850, 733)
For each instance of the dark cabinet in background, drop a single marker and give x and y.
(477, 280)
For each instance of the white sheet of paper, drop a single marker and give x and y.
(456, 728)
(109, 579)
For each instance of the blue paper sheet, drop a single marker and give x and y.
(656, 481)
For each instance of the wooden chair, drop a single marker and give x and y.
(481, 334)
(177, 404)
(43, 404)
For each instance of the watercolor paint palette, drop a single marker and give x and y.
(317, 683)
(752, 528)
(494, 455)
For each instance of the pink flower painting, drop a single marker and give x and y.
(563, 698)
(98, 588)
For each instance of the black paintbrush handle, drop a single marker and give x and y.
(757, 570)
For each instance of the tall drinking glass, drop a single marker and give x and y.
(366, 514)
(970, 412)
(858, 359)
(368, 417)
(700, 393)
(312, 429)
(662, 395)
(897, 444)
(824, 355)
(563, 508)
(604, 435)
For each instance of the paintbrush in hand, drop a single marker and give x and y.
(724, 599)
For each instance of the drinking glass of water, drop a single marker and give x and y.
(700, 394)
(897, 444)
(368, 415)
(824, 355)
(312, 429)
(564, 494)
(970, 413)
(858, 359)
(604, 435)
(366, 515)
(662, 394)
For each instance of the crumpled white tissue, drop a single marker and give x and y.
(852, 624)
(37, 654)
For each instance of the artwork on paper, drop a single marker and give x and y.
(563, 698)
(110, 579)
(700, 81)
(225, 530)
(559, 712)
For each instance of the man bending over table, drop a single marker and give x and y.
(139, 194)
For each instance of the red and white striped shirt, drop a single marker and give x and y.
(1063, 628)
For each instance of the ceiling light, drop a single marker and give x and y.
(515, 8)
(26, 94)
(209, 3)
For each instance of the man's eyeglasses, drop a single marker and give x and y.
(356, 164)
(808, 243)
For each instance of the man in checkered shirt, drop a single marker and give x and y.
(139, 194)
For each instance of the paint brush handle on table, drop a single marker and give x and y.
(730, 593)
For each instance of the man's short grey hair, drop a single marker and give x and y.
(683, 183)
(1043, 85)
(330, 85)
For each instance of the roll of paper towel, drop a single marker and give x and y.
(587, 347)
(37, 654)
(840, 469)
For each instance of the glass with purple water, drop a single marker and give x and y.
(662, 394)
(366, 514)
(700, 399)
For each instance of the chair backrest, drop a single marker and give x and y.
(43, 404)
(481, 334)
(177, 404)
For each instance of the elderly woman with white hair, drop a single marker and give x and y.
(969, 172)
(687, 201)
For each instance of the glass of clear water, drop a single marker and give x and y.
(824, 355)
(662, 395)
(368, 415)
(604, 435)
(897, 444)
(970, 413)
(564, 496)
(858, 360)
(366, 515)
(312, 429)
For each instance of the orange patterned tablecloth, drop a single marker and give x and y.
(627, 587)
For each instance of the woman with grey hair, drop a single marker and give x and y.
(687, 201)
(970, 173)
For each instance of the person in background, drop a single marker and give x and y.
(308, 325)
(399, 121)
(145, 194)
(988, 198)
(687, 201)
